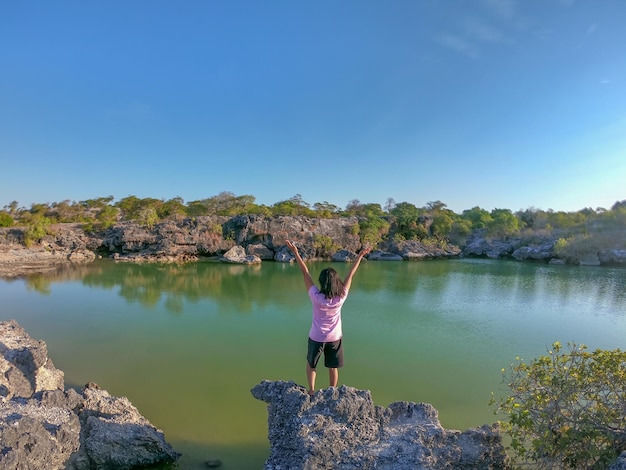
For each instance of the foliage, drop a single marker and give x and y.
(293, 206)
(406, 218)
(326, 210)
(37, 229)
(148, 216)
(566, 409)
(478, 217)
(372, 230)
(504, 223)
(5, 219)
(443, 219)
(325, 246)
(582, 232)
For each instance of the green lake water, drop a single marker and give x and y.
(186, 343)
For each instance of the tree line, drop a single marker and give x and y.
(434, 222)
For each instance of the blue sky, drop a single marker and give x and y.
(491, 103)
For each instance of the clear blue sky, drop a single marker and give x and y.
(491, 103)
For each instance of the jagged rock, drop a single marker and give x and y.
(341, 428)
(261, 251)
(541, 252)
(620, 462)
(491, 249)
(272, 232)
(378, 255)
(237, 255)
(43, 426)
(590, 259)
(25, 368)
(344, 256)
(612, 256)
(415, 249)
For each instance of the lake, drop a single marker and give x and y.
(186, 343)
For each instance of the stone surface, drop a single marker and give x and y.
(43, 426)
(620, 463)
(237, 254)
(341, 428)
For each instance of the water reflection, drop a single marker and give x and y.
(436, 331)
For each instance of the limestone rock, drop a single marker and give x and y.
(543, 252)
(612, 256)
(415, 249)
(620, 463)
(341, 428)
(378, 255)
(25, 368)
(43, 426)
(237, 255)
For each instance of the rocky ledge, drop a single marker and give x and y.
(45, 426)
(341, 428)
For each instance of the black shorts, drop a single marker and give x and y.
(333, 353)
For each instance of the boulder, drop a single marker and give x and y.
(378, 255)
(43, 426)
(260, 251)
(612, 257)
(237, 255)
(341, 428)
(620, 462)
(543, 252)
(415, 249)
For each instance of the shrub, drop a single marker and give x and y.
(36, 230)
(325, 246)
(5, 219)
(567, 409)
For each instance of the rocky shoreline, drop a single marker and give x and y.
(341, 428)
(45, 426)
(252, 240)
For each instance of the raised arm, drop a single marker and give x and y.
(348, 280)
(308, 280)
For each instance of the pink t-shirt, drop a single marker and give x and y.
(326, 325)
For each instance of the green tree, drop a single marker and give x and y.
(293, 206)
(443, 219)
(406, 218)
(325, 210)
(5, 219)
(566, 409)
(134, 208)
(37, 228)
(172, 208)
(479, 218)
(504, 222)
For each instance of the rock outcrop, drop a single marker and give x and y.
(43, 426)
(67, 245)
(341, 428)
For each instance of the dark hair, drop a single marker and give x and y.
(330, 283)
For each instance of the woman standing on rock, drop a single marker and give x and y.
(325, 333)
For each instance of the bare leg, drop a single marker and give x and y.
(333, 376)
(310, 377)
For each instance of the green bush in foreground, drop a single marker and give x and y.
(566, 409)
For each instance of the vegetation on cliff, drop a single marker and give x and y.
(566, 409)
(586, 230)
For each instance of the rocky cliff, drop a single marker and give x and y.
(240, 239)
(341, 428)
(44, 426)
(252, 239)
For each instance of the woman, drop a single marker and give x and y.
(325, 333)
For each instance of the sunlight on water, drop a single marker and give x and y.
(187, 343)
